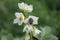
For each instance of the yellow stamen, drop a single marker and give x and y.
(21, 18)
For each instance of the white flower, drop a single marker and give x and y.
(25, 7)
(32, 20)
(27, 37)
(27, 28)
(19, 18)
(36, 32)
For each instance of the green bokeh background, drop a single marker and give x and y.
(48, 12)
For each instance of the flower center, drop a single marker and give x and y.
(21, 18)
(31, 21)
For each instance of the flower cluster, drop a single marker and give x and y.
(29, 21)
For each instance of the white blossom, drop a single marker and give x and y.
(25, 7)
(27, 28)
(19, 18)
(36, 32)
(34, 20)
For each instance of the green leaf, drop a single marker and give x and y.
(45, 30)
(46, 34)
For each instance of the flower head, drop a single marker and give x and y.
(19, 18)
(25, 7)
(32, 20)
(36, 32)
(27, 28)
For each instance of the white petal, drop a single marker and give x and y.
(31, 28)
(15, 21)
(17, 14)
(37, 31)
(36, 20)
(30, 8)
(21, 5)
(24, 29)
(20, 23)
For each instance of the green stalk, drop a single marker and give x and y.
(31, 35)
(26, 13)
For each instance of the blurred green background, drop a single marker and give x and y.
(48, 12)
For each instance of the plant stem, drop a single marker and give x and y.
(26, 13)
(31, 35)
